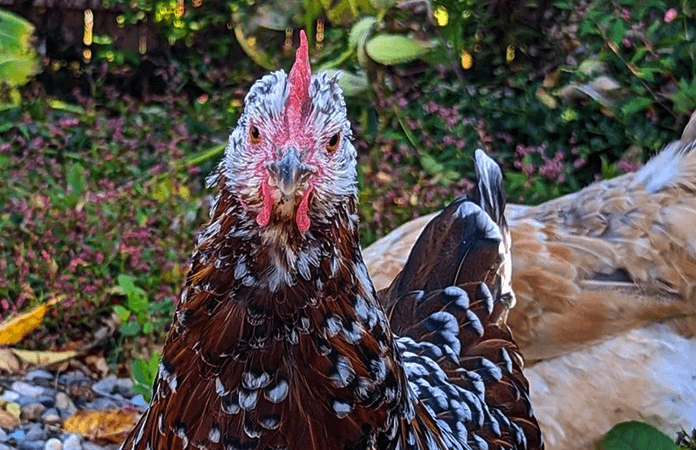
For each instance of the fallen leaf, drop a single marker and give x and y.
(35, 358)
(112, 426)
(14, 330)
(98, 365)
(7, 419)
(8, 362)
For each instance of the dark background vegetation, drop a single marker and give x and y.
(104, 152)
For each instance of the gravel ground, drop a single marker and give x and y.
(47, 399)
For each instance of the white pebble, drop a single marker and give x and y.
(73, 442)
(26, 389)
(53, 444)
(64, 403)
(9, 396)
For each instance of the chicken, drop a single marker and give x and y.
(604, 280)
(279, 342)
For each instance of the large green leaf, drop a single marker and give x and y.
(390, 49)
(636, 436)
(17, 58)
(352, 84)
(15, 33)
(360, 32)
(16, 69)
(342, 12)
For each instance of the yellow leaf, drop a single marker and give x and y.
(111, 426)
(34, 358)
(8, 419)
(14, 330)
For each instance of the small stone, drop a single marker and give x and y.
(36, 432)
(91, 446)
(101, 404)
(32, 411)
(45, 400)
(9, 396)
(123, 387)
(30, 445)
(65, 405)
(73, 442)
(72, 377)
(6, 447)
(138, 401)
(26, 389)
(3, 436)
(51, 416)
(105, 386)
(39, 374)
(53, 444)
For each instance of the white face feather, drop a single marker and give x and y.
(243, 165)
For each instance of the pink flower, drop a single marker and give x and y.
(670, 15)
(625, 14)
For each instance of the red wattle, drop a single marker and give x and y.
(302, 217)
(265, 214)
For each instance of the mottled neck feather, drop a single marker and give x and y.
(288, 269)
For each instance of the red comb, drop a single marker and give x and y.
(299, 79)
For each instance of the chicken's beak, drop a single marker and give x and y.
(288, 174)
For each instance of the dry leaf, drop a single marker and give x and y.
(8, 420)
(112, 426)
(97, 364)
(8, 362)
(14, 330)
(35, 358)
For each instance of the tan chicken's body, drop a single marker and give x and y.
(593, 273)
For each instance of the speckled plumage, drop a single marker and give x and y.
(279, 341)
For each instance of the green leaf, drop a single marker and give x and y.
(143, 390)
(360, 32)
(608, 170)
(382, 5)
(122, 313)
(635, 105)
(126, 283)
(77, 182)
(636, 436)
(18, 60)
(15, 33)
(136, 297)
(16, 69)
(352, 84)
(130, 329)
(68, 107)
(390, 49)
(137, 300)
(618, 31)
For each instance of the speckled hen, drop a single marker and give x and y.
(278, 341)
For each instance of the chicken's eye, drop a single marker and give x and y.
(332, 145)
(254, 135)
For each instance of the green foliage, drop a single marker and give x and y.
(636, 436)
(18, 60)
(146, 317)
(144, 373)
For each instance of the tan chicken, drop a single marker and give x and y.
(605, 282)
